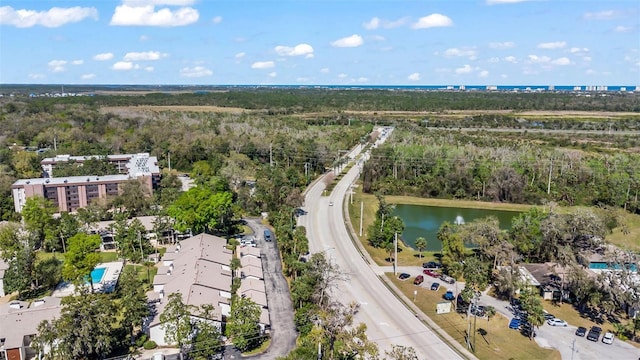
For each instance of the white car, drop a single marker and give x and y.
(556, 322)
(608, 338)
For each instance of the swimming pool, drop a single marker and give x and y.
(97, 274)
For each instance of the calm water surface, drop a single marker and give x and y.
(425, 221)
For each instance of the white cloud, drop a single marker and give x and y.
(88, 76)
(126, 15)
(263, 65)
(464, 70)
(144, 38)
(349, 41)
(123, 65)
(511, 59)
(362, 79)
(159, 2)
(494, 2)
(36, 76)
(587, 58)
(149, 68)
(342, 75)
(502, 45)
(622, 29)
(144, 56)
(577, 50)
(431, 21)
(57, 65)
(195, 72)
(602, 15)
(324, 70)
(103, 57)
(414, 77)
(240, 55)
(377, 38)
(51, 18)
(217, 20)
(504, 76)
(372, 24)
(465, 51)
(552, 45)
(298, 50)
(494, 60)
(483, 74)
(302, 79)
(538, 59)
(77, 62)
(561, 61)
(272, 74)
(590, 72)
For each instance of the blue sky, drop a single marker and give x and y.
(333, 42)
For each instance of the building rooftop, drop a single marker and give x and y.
(71, 180)
(19, 319)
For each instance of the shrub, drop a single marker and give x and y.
(141, 340)
(148, 345)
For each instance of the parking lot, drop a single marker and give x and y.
(561, 338)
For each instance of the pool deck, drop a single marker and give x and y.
(106, 285)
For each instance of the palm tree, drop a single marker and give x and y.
(421, 244)
(490, 311)
(536, 317)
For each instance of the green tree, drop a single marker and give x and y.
(176, 321)
(38, 218)
(81, 258)
(421, 244)
(476, 273)
(83, 331)
(490, 311)
(208, 339)
(202, 210)
(133, 301)
(48, 273)
(453, 249)
(243, 324)
(134, 197)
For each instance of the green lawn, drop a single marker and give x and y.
(104, 256)
(500, 342)
(145, 274)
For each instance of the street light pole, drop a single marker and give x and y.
(361, 213)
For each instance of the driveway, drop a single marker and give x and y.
(283, 333)
(564, 339)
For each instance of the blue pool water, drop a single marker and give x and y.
(97, 274)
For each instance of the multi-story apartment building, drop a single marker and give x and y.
(74, 192)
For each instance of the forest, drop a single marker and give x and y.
(256, 150)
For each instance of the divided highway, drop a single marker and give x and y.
(388, 321)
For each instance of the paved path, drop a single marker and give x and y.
(283, 333)
(388, 320)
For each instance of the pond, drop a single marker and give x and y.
(425, 221)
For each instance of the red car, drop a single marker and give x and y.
(431, 273)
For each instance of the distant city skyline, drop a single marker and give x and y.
(351, 43)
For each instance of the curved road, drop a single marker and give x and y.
(388, 320)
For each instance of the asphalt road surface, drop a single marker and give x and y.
(388, 320)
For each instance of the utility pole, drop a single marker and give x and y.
(573, 348)
(271, 155)
(319, 351)
(169, 160)
(395, 257)
(549, 182)
(361, 213)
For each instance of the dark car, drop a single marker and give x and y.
(419, 279)
(581, 331)
(267, 235)
(528, 331)
(594, 333)
(431, 265)
(431, 273)
(435, 286)
(449, 295)
(548, 316)
(404, 276)
(477, 310)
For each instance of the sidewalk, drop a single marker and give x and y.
(169, 353)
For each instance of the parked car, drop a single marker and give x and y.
(514, 324)
(431, 265)
(267, 235)
(431, 273)
(548, 316)
(331, 203)
(477, 310)
(608, 338)
(527, 330)
(404, 276)
(435, 286)
(556, 322)
(447, 279)
(594, 333)
(581, 331)
(515, 303)
(419, 279)
(449, 295)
